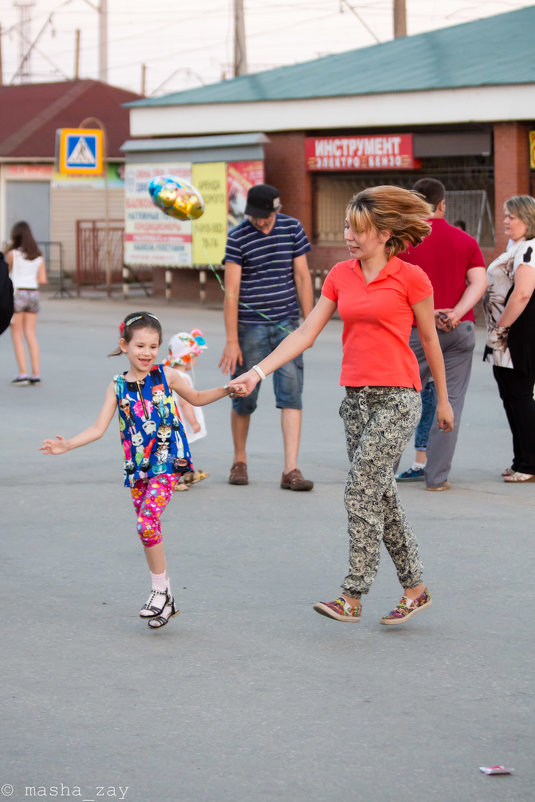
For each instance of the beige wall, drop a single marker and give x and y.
(67, 205)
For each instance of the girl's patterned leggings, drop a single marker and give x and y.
(151, 497)
(379, 422)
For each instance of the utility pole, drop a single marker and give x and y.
(144, 80)
(77, 54)
(240, 49)
(400, 19)
(25, 71)
(103, 41)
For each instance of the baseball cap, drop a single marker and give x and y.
(262, 200)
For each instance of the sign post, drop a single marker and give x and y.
(81, 152)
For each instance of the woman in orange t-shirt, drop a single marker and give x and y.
(377, 296)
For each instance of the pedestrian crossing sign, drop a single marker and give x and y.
(79, 151)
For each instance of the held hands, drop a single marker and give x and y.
(235, 388)
(446, 319)
(57, 446)
(445, 417)
(247, 381)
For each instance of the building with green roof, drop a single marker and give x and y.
(456, 103)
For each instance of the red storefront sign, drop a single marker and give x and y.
(374, 152)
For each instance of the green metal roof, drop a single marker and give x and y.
(492, 51)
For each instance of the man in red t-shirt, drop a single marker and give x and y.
(452, 260)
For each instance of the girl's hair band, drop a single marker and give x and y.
(124, 324)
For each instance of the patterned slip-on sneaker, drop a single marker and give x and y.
(339, 609)
(507, 472)
(411, 475)
(407, 608)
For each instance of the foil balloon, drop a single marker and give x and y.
(176, 197)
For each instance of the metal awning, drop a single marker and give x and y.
(198, 149)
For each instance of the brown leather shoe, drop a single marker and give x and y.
(238, 474)
(295, 481)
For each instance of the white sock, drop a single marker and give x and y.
(159, 581)
(418, 466)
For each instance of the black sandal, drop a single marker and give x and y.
(152, 607)
(169, 611)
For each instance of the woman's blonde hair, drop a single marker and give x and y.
(523, 207)
(399, 211)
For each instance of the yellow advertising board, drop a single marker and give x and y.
(532, 149)
(210, 230)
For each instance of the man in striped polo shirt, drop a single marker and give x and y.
(266, 279)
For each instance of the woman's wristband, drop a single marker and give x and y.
(260, 372)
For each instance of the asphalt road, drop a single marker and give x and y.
(248, 694)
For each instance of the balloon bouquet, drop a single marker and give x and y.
(176, 198)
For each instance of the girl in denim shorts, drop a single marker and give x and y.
(27, 270)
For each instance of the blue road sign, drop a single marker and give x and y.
(80, 151)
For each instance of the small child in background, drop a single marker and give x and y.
(183, 350)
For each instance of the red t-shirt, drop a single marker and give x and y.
(377, 322)
(446, 255)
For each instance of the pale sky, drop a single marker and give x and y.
(186, 44)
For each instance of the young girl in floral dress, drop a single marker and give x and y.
(156, 451)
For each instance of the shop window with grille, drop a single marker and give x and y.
(469, 183)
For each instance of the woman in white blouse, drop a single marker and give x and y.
(509, 306)
(27, 270)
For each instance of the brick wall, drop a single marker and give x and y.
(285, 169)
(511, 170)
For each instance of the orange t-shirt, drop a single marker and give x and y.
(377, 322)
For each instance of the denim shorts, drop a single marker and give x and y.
(26, 300)
(257, 340)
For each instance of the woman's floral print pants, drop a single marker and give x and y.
(379, 422)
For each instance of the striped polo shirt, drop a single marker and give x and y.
(267, 278)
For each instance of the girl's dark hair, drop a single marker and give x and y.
(137, 320)
(386, 208)
(23, 239)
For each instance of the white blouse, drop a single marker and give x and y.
(24, 271)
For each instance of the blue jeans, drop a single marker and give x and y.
(257, 340)
(429, 405)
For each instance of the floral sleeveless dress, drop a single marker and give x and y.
(152, 434)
